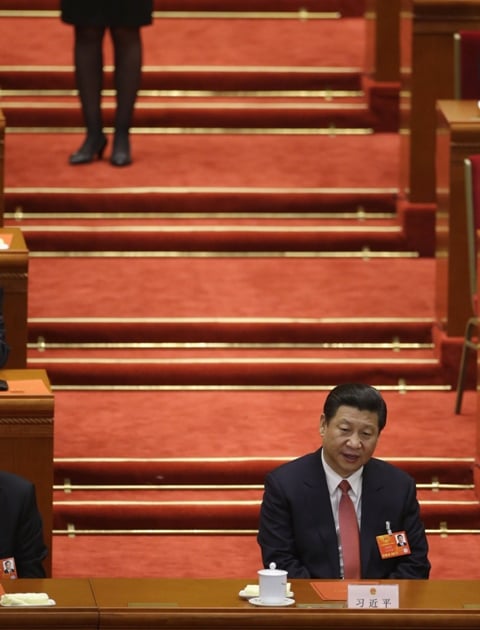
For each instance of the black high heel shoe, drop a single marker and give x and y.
(121, 155)
(89, 151)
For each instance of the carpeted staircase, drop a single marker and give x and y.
(193, 309)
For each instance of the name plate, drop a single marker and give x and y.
(372, 596)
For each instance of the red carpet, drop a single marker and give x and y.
(287, 162)
(227, 556)
(230, 287)
(307, 44)
(281, 423)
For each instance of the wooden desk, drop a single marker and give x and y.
(457, 137)
(14, 281)
(209, 604)
(426, 52)
(26, 438)
(75, 607)
(188, 604)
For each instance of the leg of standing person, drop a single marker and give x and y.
(89, 77)
(128, 66)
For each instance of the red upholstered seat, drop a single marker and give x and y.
(467, 65)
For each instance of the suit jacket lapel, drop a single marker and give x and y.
(371, 486)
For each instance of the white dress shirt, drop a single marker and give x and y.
(355, 493)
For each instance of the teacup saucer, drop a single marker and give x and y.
(257, 601)
(248, 594)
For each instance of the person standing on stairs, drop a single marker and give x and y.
(91, 18)
(338, 512)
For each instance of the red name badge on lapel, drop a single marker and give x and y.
(393, 544)
(9, 570)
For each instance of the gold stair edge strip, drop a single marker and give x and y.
(110, 487)
(444, 532)
(203, 502)
(206, 131)
(229, 361)
(240, 459)
(243, 107)
(181, 190)
(208, 229)
(20, 219)
(210, 69)
(402, 388)
(232, 320)
(73, 93)
(301, 14)
(71, 532)
(68, 487)
(395, 347)
(287, 255)
(214, 503)
(43, 345)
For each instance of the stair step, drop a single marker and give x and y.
(286, 235)
(344, 7)
(112, 203)
(216, 474)
(233, 172)
(230, 354)
(190, 371)
(234, 289)
(227, 515)
(255, 80)
(213, 112)
(221, 493)
(392, 332)
(300, 55)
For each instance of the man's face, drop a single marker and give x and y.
(349, 439)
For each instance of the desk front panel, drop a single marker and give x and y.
(192, 604)
(188, 604)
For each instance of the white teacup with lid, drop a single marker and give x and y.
(272, 584)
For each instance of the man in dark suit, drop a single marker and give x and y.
(299, 518)
(21, 530)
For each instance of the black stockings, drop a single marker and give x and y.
(89, 75)
(128, 63)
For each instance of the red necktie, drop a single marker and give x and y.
(349, 534)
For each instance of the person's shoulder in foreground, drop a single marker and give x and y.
(299, 523)
(21, 528)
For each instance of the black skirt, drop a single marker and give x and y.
(107, 12)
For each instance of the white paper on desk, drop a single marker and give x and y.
(372, 596)
(26, 599)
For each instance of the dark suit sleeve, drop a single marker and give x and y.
(416, 564)
(30, 550)
(275, 534)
